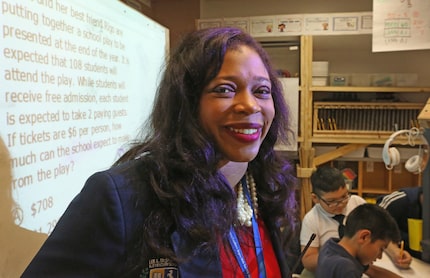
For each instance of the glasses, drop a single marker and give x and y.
(335, 203)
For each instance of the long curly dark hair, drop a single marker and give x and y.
(179, 160)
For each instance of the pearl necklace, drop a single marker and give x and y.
(244, 210)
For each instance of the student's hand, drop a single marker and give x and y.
(310, 258)
(402, 259)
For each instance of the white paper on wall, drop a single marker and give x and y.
(401, 25)
(291, 95)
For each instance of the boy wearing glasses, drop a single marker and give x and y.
(327, 217)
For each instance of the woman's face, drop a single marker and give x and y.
(236, 107)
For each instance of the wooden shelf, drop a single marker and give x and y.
(376, 191)
(342, 139)
(343, 89)
(372, 176)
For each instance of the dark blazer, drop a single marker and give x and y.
(91, 238)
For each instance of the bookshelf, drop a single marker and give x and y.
(349, 126)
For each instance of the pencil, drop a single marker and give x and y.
(402, 246)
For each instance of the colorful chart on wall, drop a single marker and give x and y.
(401, 25)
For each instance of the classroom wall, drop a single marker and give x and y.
(178, 16)
(352, 56)
(232, 8)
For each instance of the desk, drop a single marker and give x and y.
(418, 268)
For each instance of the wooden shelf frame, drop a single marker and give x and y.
(307, 159)
(342, 89)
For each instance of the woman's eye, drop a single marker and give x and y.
(263, 92)
(224, 89)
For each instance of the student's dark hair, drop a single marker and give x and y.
(179, 160)
(374, 218)
(327, 179)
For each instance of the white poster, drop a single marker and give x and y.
(78, 78)
(401, 25)
(291, 95)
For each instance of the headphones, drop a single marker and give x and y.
(417, 163)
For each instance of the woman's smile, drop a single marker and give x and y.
(245, 134)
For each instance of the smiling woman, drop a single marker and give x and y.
(239, 107)
(202, 192)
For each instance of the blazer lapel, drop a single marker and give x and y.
(208, 264)
(203, 264)
(279, 252)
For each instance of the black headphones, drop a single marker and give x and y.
(417, 163)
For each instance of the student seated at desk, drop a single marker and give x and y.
(417, 269)
(326, 219)
(403, 204)
(368, 231)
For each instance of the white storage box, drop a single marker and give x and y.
(320, 68)
(319, 81)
